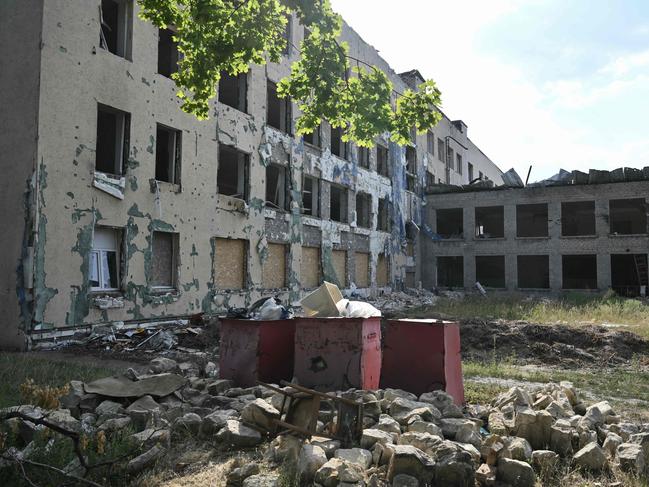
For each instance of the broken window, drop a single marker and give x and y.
(490, 270)
(277, 187)
(113, 129)
(168, 55)
(338, 146)
(364, 157)
(532, 220)
(533, 272)
(233, 91)
(311, 196)
(338, 203)
(278, 110)
(382, 160)
(450, 223)
(628, 216)
(362, 268)
(470, 167)
(167, 155)
(314, 138)
(310, 268)
(440, 149)
(232, 175)
(449, 161)
(629, 275)
(411, 168)
(230, 257)
(450, 272)
(274, 267)
(163, 260)
(383, 217)
(382, 271)
(105, 259)
(490, 222)
(579, 271)
(460, 168)
(363, 210)
(116, 18)
(578, 218)
(430, 143)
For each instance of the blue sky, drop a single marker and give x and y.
(555, 84)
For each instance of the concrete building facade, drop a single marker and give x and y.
(118, 206)
(588, 237)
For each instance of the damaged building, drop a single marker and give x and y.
(119, 207)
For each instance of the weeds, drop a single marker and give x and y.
(46, 397)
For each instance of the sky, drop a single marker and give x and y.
(548, 83)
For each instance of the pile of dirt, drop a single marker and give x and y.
(591, 345)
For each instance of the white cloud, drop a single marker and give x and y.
(627, 63)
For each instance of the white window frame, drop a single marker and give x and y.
(98, 253)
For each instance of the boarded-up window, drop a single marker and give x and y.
(339, 263)
(410, 279)
(382, 270)
(229, 263)
(164, 260)
(274, 269)
(362, 265)
(310, 267)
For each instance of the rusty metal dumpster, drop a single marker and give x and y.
(338, 353)
(256, 350)
(422, 355)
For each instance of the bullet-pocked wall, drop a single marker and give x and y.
(143, 212)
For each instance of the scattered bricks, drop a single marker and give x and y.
(235, 433)
(631, 458)
(534, 426)
(260, 413)
(357, 456)
(411, 461)
(544, 460)
(486, 475)
(219, 387)
(515, 472)
(591, 457)
(145, 460)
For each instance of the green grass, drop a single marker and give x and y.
(16, 368)
(572, 309)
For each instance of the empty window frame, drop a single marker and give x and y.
(450, 223)
(411, 168)
(362, 269)
(430, 143)
(278, 110)
(440, 149)
(363, 210)
(168, 154)
(310, 268)
(233, 91)
(578, 218)
(450, 272)
(460, 166)
(311, 196)
(338, 146)
(314, 138)
(383, 217)
(364, 157)
(338, 203)
(450, 160)
(168, 55)
(579, 271)
(277, 187)
(232, 176)
(629, 274)
(430, 179)
(230, 263)
(288, 31)
(105, 259)
(533, 271)
(382, 160)
(274, 267)
(628, 216)
(164, 260)
(490, 222)
(490, 270)
(113, 134)
(116, 18)
(470, 169)
(532, 220)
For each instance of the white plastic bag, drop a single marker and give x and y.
(359, 309)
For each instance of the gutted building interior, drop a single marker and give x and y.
(578, 218)
(490, 271)
(533, 271)
(629, 276)
(579, 271)
(490, 222)
(628, 216)
(450, 223)
(450, 272)
(532, 220)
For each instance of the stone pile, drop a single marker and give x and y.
(406, 441)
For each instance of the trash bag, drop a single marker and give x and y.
(359, 309)
(270, 311)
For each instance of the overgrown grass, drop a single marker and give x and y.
(16, 368)
(572, 309)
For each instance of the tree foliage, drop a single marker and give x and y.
(217, 36)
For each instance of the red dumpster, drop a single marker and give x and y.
(256, 350)
(334, 354)
(422, 356)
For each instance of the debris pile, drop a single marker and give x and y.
(398, 439)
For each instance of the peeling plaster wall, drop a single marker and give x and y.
(20, 60)
(77, 74)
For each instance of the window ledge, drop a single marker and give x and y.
(489, 239)
(546, 237)
(107, 299)
(230, 203)
(311, 221)
(166, 186)
(577, 237)
(622, 235)
(455, 239)
(279, 131)
(535, 289)
(363, 230)
(112, 54)
(111, 184)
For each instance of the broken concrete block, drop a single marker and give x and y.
(262, 480)
(403, 480)
(631, 458)
(515, 472)
(212, 423)
(358, 456)
(411, 461)
(544, 460)
(403, 409)
(218, 387)
(188, 424)
(486, 475)
(260, 413)
(237, 434)
(372, 436)
(146, 460)
(450, 426)
(160, 365)
(591, 457)
(310, 459)
(611, 443)
(425, 427)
